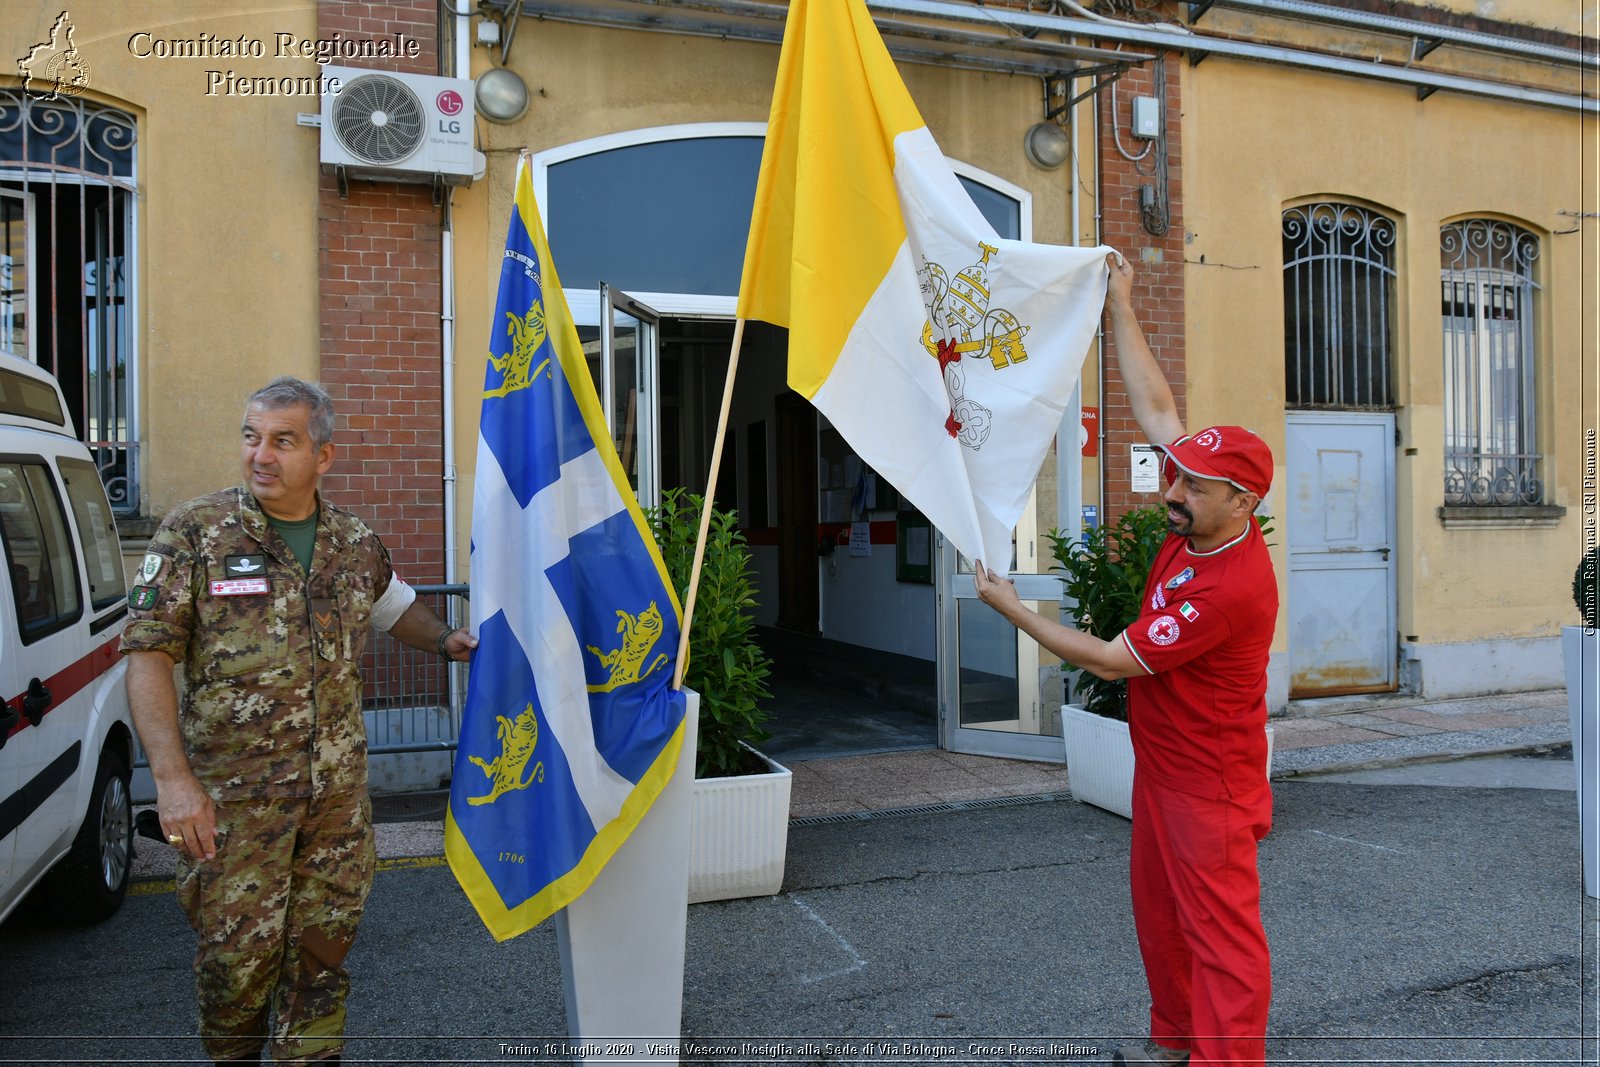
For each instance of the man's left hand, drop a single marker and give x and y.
(460, 645)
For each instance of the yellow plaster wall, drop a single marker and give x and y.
(1567, 16)
(226, 223)
(1258, 139)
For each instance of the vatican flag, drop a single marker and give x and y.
(944, 354)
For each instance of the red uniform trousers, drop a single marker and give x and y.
(1197, 909)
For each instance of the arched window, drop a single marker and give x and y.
(67, 190)
(668, 210)
(1491, 455)
(1338, 270)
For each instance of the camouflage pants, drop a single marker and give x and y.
(276, 912)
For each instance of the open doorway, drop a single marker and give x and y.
(818, 595)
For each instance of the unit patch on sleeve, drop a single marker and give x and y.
(149, 569)
(1164, 630)
(142, 597)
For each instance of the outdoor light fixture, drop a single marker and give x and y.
(1045, 144)
(501, 95)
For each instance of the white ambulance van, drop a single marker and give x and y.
(66, 739)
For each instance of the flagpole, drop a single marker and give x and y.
(705, 510)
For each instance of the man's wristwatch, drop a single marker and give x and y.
(444, 635)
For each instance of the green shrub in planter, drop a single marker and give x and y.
(1103, 574)
(1586, 588)
(726, 666)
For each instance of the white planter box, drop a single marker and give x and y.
(1580, 651)
(1100, 759)
(739, 835)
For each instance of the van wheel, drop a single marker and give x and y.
(89, 884)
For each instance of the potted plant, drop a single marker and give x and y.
(1580, 653)
(740, 821)
(1103, 580)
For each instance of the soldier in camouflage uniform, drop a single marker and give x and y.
(263, 593)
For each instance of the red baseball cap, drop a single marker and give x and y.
(1228, 453)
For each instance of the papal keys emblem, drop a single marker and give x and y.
(960, 324)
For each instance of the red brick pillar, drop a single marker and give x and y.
(379, 287)
(1157, 262)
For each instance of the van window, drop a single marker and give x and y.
(44, 574)
(102, 552)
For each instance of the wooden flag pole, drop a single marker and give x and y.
(705, 511)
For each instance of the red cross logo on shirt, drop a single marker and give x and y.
(1164, 630)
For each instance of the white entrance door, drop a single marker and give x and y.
(1340, 535)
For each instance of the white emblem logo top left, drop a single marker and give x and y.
(54, 68)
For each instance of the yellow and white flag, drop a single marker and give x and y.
(944, 354)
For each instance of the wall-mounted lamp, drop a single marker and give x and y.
(1046, 145)
(501, 95)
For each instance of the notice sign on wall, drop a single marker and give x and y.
(1089, 432)
(1146, 469)
(861, 538)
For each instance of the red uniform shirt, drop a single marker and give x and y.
(1198, 716)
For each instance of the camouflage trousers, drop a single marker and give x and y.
(276, 911)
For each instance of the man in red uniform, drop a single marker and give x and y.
(1196, 664)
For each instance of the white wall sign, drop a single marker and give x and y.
(1146, 468)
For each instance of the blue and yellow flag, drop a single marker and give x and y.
(571, 727)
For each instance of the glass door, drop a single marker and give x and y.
(621, 339)
(999, 690)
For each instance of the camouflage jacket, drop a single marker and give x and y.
(271, 655)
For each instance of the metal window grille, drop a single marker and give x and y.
(1491, 453)
(1338, 271)
(67, 190)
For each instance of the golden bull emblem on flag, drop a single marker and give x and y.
(959, 310)
(626, 664)
(509, 770)
(516, 368)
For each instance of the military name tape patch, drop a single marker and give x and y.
(239, 587)
(142, 597)
(149, 568)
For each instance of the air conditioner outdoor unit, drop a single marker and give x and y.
(399, 127)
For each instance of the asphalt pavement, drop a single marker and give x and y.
(1412, 920)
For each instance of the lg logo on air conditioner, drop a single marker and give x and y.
(449, 103)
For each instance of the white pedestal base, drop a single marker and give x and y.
(622, 942)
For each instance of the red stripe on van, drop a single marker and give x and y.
(69, 681)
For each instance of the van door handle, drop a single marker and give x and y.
(36, 702)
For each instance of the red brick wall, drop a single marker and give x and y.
(381, 334)
(1157, 263)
